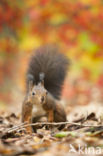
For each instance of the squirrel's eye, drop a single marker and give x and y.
(33, 93)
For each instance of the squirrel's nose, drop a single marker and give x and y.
(42, 99)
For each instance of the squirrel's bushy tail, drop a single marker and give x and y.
(53, 64)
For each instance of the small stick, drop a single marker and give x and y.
(15, 127)
(61, 123)
(23, 125)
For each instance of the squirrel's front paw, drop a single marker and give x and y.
(29, 129)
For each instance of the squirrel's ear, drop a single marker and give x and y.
(30, 79)
(41, 77)
(30, 85)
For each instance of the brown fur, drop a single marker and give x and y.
(45, 76)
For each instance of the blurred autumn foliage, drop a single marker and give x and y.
(76, 26)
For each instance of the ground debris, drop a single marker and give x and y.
(81, 133)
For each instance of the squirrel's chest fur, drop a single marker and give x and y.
(37, 110)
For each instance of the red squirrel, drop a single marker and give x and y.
(46, 73)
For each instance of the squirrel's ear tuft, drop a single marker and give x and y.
(41, 77)
(30, 79)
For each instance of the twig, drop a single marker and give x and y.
(23, 125)
(16, 127)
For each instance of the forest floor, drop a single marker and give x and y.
(82, 135)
